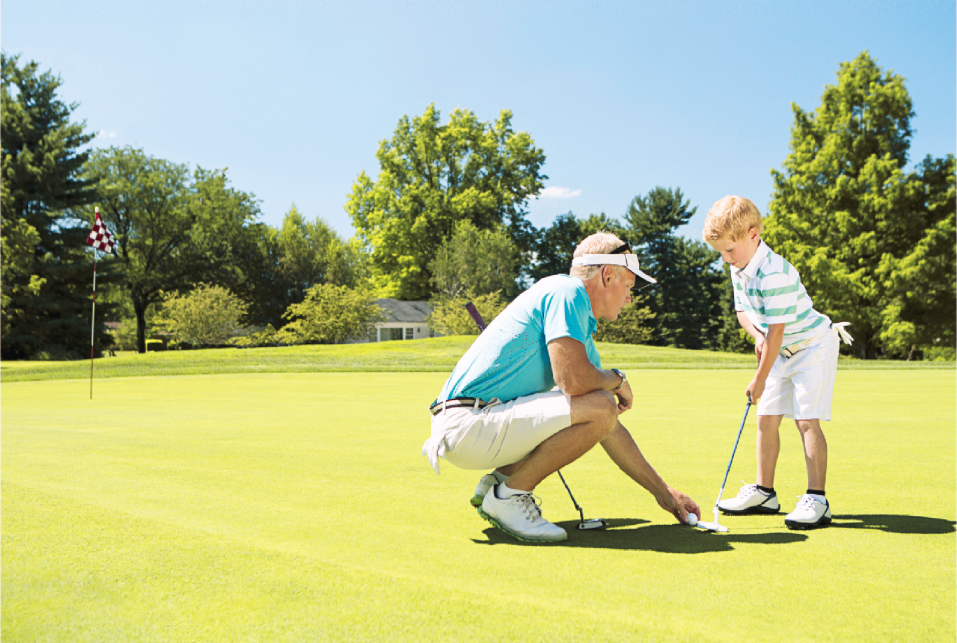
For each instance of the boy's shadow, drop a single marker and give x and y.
(894, 524)
(665, 539)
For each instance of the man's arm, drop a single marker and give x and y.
(624, 452)
(576, 375)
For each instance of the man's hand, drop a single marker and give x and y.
(679, 505)
(625, 397)
(755, 389)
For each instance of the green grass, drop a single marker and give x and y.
(296, 507)
(431, 355)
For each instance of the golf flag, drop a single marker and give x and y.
(100, 238)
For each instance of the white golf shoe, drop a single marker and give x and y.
(520, 517)
(751, 500)
(810, 513)
(488, 481)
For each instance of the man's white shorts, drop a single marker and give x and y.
(801, 387)
(499, 434)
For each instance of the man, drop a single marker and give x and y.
(500, 409)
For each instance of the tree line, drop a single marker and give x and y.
(445, 220)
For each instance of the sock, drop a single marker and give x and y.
(765, 490)
(817, 494)
(503, 492)
(501, 477)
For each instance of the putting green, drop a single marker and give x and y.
(282, 507)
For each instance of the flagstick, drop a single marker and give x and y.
(93, 323)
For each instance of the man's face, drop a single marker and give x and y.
(619, 291)
(738, 253)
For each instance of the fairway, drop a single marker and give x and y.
(297, 507)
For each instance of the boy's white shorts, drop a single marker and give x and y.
(502, 433)
(802, 387)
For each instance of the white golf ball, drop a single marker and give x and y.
(692, 520)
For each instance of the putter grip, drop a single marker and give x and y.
(473, 311)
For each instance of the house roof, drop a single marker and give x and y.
(405, 311)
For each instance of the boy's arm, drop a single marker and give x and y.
(753, 332)
(769, 353)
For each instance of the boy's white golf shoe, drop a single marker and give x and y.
(810, 513)
(488, 481)
(751, 500)
(520, 517)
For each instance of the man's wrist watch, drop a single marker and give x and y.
(623, 379)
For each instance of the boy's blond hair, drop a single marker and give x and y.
(600, 243)
(731, 218)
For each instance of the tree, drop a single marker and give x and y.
(633, 326)
(450, 317)
(478, 261)
(433, 175)
(871, 243)
(331, 315)
(173, 229)
(557, 243)
(686, 299)
(206, 316)
(47, 274)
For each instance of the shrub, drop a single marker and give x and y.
(206, 316)
(331, 315)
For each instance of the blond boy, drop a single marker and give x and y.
(797, 350)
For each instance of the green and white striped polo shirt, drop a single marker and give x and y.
(769, 291)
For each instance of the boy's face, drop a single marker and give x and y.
(738, 252)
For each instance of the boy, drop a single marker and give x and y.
(797, 350)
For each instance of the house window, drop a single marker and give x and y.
(390, 334)
(409, 333)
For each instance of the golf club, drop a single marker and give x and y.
(595, 523)
(716, 526)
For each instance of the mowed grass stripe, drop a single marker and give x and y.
(298, 507)
(422, 356)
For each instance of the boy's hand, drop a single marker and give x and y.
(755, 390)
(759, 347)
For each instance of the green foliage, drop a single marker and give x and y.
(331, 315)
(432, 176)
(47, 272)
(205, 316)
(257, 338)
(449, 316)
(874, 246)
(686, 300)
(633, 326)
(173, 229)
(478, 261)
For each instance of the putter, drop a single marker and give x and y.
(716, 526)
(595, 523)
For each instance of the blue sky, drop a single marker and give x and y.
(294, 97)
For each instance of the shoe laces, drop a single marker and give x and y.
(805, 502)
(531, 505)
(747, 489)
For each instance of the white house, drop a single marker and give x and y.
(406, 320)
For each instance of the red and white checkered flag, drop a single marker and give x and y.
(100, 238)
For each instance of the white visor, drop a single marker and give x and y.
(628, 261)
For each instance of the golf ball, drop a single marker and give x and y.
(692, 520)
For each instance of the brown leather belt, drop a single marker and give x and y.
(457, 402)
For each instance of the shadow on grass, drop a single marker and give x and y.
(665, 539)
(895, 524)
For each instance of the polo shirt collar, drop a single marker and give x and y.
(750, 270)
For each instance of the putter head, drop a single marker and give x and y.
(594, 523)
(711, 526)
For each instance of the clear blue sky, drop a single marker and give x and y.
(294, 97)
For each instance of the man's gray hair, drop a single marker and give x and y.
(600, 243)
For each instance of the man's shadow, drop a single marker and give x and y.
(665, 539)
(682, 539)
